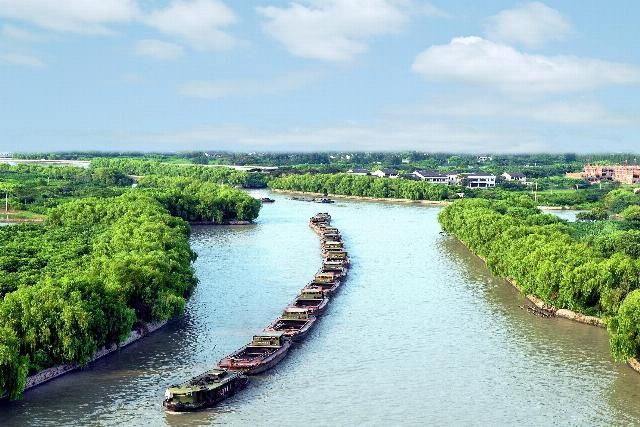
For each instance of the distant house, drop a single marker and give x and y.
(360, 172)
(483, 159)
(431, 176)
(454, 178)
(478, 180)
(514, 176)
(386, 173)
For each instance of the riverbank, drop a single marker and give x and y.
(364, 198)
(553, 311)
(54, 372)
(232, 222)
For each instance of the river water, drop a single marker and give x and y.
(420, 334)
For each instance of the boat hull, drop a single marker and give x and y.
(294, 334)
(316, 310)
(254, 367)
(211, 398)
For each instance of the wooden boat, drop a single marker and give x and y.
(267, 200)
(203, 391)
(322, 200)
(321, 217)
(337, 254)
(326, 277)
(333, 256)
(264, 352)
(328, 287)
(313, 299)
(295, 322)
(337, 264)
(330, 245)
(337, 269)
(332, 237)
(329, 230)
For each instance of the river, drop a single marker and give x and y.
(420, 334)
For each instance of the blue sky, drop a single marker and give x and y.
(467, 76)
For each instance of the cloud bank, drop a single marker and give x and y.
(474, 60)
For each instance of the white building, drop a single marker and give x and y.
(431, 176)
(478, 180)
(514, 176)
(386, 173)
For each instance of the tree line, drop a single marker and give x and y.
(364, 186)
(215, 174)
(100, 265)
(545, 257)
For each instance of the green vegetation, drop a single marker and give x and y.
(219, 174)
(37, 188)
(97, 266)
(367, 186)
(592, 268)
(195, 200)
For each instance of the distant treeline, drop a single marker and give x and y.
(364, 186)
(561, 263)
(98, 265)
(220, 175)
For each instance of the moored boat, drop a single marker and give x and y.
(265, 351)
(337, 269)
(333, 237)
(330, 245)
(295, 322)
(322, 200)
(335, 256)
(203, 391)
(313, 299)
(320, 217)
(267, 200)
(328, 287)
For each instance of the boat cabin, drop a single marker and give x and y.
(329, 230)
(333, 244)
(268, 339)
(321, 217)
(311, 294)
(326, 277)
(336, 255)
(332, 237)
(337, 263)
(295, 313)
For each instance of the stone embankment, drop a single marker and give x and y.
(57, 371)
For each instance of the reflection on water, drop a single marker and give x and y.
(421, 334)
(567, 214)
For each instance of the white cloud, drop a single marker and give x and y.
(333, 30)
(78, 16)
(231, 88)
(21, 60)
(198, 22)
(530, 24)
(474, 60)
(157, 49)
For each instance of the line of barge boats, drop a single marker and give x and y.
(269, 347)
